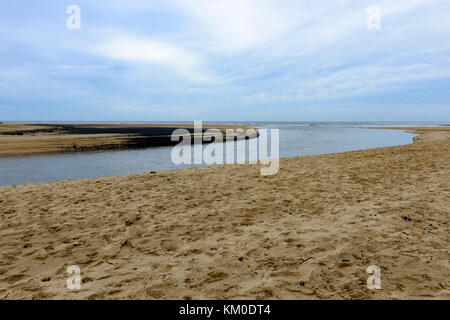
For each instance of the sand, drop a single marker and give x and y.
(225, 232)
(20, 139)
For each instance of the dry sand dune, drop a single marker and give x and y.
(227, 232)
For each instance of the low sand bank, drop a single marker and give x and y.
(18, 139)
(227, 232)
(432, 133)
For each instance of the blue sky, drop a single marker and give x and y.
(214, 60)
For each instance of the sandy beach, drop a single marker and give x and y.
(21, 139)
(225, 232)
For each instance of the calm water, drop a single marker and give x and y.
(296, 138)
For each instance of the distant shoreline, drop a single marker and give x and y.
(21, 139)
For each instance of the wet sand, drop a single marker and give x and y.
(225, 232)
(17, 139)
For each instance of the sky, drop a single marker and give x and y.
(225, 60)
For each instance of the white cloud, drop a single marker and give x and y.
(134, 49)
(235, 25)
